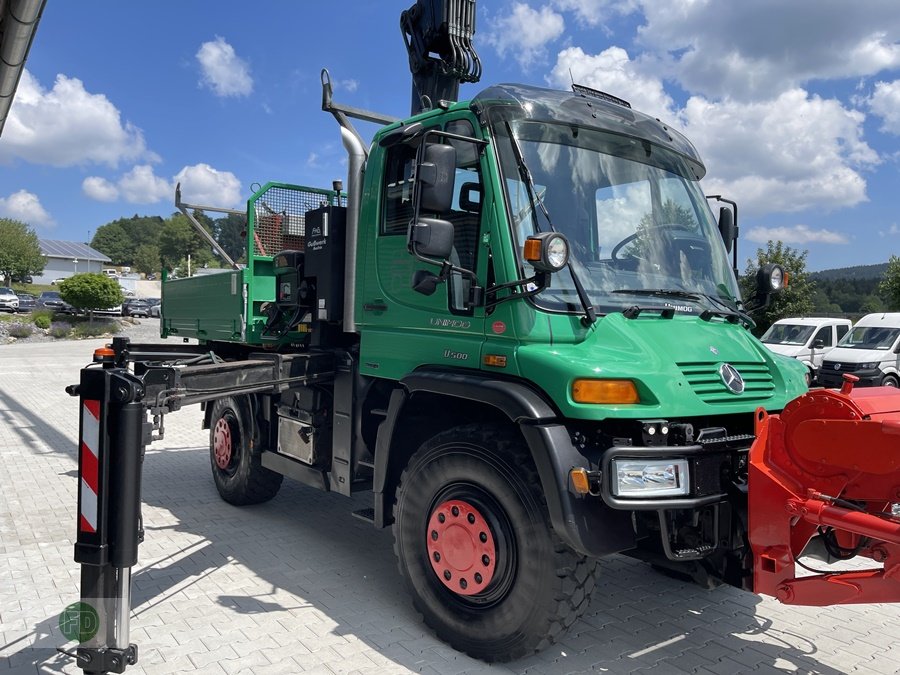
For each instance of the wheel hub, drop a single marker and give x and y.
(222, 444)
(461, 547)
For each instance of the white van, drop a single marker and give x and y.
(807, 339)
(111, 273)
(871, 351)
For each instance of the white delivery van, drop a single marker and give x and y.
(871, 351)
(806, 339)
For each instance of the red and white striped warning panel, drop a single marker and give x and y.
(90, 467)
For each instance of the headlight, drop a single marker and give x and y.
(867, 366)
(547, 251)
(651, 478)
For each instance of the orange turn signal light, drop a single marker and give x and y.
(104, 354)
(605, 391)
(495, 360)
(532, 250)
(580, 480)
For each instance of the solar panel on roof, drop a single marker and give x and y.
(56, 248)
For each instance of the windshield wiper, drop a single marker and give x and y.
(726, 311)
(590, 316)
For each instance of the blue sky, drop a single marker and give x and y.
(795, 106)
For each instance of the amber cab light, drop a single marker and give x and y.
(532, 250)
(605, 391)
(580, 481)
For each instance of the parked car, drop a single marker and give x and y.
(56, 282)
(806, 339)
(871, 352)
(9, 301)
(27, 302)
(110, 311)
(26, 279)
(52, 300)
(136, 307)
(156, 311)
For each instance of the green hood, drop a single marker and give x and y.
(674, 364)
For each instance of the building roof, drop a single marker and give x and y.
(54, 248)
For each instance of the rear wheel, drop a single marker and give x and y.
(474, 542)
(235, 456)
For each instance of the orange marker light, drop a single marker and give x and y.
(580, 480)
(495, 360)
(605, 391)
(532, 250)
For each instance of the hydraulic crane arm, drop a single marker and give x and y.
(438, 36)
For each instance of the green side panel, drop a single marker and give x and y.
(209, 307)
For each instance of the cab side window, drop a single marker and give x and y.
(842, 330)
(398, 191)
(465, 214)
(824, 335)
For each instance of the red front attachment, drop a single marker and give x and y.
(829, 467)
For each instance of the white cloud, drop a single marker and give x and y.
(25, 207)
(347, 85)
(893, 230)
(594, 12)
(223, 70)
(202, 184)
(612, 71)
(67, 126)
(762, 48)
(524, 32)
(141, 186)
(788, 154)
(885, 103)
(99, 189)
(795, 234)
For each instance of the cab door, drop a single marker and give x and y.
(402, 328)
(824, 338)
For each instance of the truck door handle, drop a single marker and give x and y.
(375, 306)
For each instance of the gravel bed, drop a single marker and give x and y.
(139, 330)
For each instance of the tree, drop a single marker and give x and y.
(147, 259)
(20, 253)
(797, 297)
(112, 240)
(231, 233)
(91, 291)
(178, 239)
(889, 288)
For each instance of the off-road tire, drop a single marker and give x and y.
(540, 586)
(243, 480)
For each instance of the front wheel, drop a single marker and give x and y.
(474, 543)
(890, 381)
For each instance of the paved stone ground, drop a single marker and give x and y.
(298, 585)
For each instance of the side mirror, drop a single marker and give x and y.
(727, 228)
(819, 344)
(435, 177)
(431, 237)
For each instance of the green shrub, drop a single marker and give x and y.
(86, 330)
(39, 313)
(20, 330)
(60, 329)
(42, 322)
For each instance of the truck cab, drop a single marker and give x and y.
(871, 352)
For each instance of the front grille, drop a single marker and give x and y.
(708, 386)
(829, 367)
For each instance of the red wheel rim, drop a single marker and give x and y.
(222, 444)
(461, 547)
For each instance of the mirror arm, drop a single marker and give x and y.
(540, 279)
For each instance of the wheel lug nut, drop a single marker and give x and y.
(471, 519)
(463, 583)
(434, 535)
(437, 557)
(455, 511)
(442, 517)
(485, 560)
(478, 578)
(447, 575)
(483, 537)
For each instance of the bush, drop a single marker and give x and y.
(20, 330)
(91, 291)
(39, 313)
(86, 330)
(42, 322)
(60, 329)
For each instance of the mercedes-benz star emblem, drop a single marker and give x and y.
(731, 378)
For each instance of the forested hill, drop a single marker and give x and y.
(858, 272)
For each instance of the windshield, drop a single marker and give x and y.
(870, 337)
(637, 224)
(787, 334)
